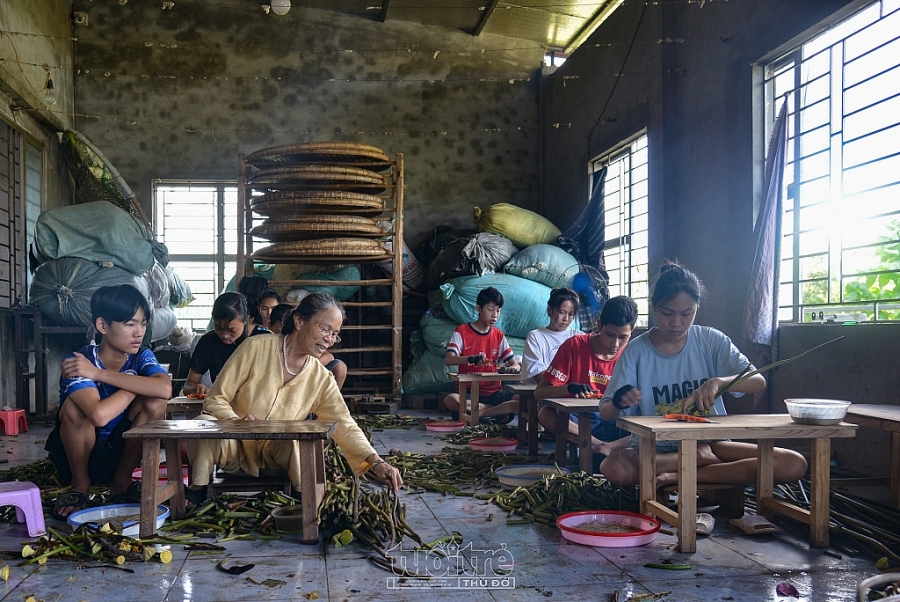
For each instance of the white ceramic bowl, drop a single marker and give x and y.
(817, 411)
(568, 526)
(523, 475)
(115, 513)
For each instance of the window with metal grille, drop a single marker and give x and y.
(626, 214)
(196, 221)
(840, 253)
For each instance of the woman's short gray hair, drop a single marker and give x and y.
(311, 306)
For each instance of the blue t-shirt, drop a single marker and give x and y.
(664, 380)
(142, 363)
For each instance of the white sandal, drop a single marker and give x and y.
(705, 523)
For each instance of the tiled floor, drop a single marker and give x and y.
(727, 566)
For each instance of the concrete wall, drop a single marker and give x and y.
(180, 93)
(21, 106)
(688, 80)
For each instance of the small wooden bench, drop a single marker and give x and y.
(311, 434)
(886, 418)
(470, 415)
(191, 408)
(583, 408)
(528, 416)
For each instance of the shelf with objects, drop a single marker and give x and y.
(334, 205)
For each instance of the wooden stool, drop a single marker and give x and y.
(13, 421)
(222, 482)
(528, 420)
(584, 408)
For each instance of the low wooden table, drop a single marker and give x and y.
(762, 428)
(886, 418)
(312, 435)
(465, 380)
(528, 416)
(583, 408)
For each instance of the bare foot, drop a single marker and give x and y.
(666, 478)
(706, 456)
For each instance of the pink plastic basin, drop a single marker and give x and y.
(494, 444)
(445, 426)
(568, 526)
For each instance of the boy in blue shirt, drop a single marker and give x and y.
(104, 390)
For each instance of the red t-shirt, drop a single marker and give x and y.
(467, 341)
(576, 363)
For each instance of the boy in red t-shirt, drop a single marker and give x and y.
(583, 365)
(478, 347)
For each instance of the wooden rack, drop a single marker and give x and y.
(374, 360)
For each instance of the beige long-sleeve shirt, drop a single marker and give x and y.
(251, 383)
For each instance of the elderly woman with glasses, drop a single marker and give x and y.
(280, 377)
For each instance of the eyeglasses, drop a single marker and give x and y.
(329, 334)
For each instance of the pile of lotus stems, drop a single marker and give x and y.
(454, 471)
(482, 430)
(555, 495)
(857, 527)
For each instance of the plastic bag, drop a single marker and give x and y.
(158, 284)
(179, 291)
(523, 227)
(62, 288)
(546, 264)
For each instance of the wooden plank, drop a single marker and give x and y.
(884, 417)
(778, 506)
(765, 470)
(654, 508)
(743, 426)
(820, 473)
(687, 497)
(647, 468)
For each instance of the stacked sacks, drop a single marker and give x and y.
(427, 373)
(83, 247)
(529, 276)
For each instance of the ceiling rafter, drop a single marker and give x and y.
(488, 11)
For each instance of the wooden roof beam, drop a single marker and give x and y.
(488, 11)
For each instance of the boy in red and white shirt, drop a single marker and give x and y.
(583, 366)
(478, 347)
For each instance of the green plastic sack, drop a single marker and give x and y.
(94, 232)
(341, 293)
(546, 264)
(525, 302)
(523, 227)
(62, 288)
(428, 374)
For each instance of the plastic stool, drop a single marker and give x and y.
(13, 421)
(26, 497)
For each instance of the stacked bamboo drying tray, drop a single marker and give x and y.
(318, 200)
(329, 205)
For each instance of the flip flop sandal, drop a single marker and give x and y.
(195, 496)
(69, 499)
(132, 494)
(705, 523)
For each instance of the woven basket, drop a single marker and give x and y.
(319, 177)
(316, 226)
(321, 202)
(319, 152)
(322, 248)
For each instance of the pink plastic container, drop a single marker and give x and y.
(494, 444)
(568, 526)
(163, 474)
(445, 426)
